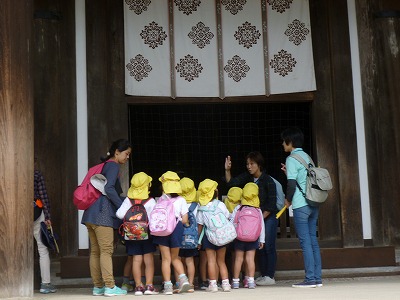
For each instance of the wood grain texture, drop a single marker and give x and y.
(16, 148)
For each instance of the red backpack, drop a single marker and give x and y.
(135, 226)
(86, 194)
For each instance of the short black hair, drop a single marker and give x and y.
(257, 158)
(293, 135)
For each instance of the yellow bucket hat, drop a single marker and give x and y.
(206, 191)
(188, 190)
(140, 184)
(233, 198)
(170, 182)
(250, 195)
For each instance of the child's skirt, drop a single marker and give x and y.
(245, 246)
(173, 240)
(140, 247)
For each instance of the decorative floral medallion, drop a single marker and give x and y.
(200, 35)
(280, 5)
(297, 32)
(138, 6)
(189, 68)
(153, 35)
(187, 6)
(234, 6)
(247, 35)
(283, 63)
(139, 67)
(236, 68)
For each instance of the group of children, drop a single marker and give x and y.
(201, 225)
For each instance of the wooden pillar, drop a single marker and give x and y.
(387, 26)
(379, 60)
(16, 148)
(334, 126)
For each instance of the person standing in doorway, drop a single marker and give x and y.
(100, 220)
(42, 214)
(305, 216)
(267, 194)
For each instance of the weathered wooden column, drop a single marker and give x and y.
(16, 150)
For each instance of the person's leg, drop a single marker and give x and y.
(44, 257)
(203, 269)
(237, 265)
(251, 266)
(127, 275)
(176, 261)
(301, 221)
(149, 267)
(165, 262)
(191, 270)
(315, 245)
(211, 264)
(94, 258)
(137, 269)
(223, 270)
(105, 239)
(183, 283)
(271, 225)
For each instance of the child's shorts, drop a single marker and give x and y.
(206, 244)
(188, 252)
(245, 246)
(140, 247)
(173, 240)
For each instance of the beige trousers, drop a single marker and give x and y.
(101, 251)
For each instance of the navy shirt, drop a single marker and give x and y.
(266, 189)
(102, 212)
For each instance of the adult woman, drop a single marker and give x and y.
(267, 195)
(100, 220)
(305, 216)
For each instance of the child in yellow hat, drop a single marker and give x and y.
(208, 199)
(249, 223)
(169, 245)
(187, 255)
(233, 198)
(140, 250)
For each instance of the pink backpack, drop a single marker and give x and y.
(86, 194)
(248, 223)
(162, 220)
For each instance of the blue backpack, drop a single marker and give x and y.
(280, 195)
(190, 236)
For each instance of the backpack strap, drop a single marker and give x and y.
(304, 163)
(192, 206)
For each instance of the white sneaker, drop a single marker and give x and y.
(226, 287)
(265, 280)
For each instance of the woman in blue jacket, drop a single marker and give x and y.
(100, 220)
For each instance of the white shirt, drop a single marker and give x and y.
(180, 206)
(127, 204)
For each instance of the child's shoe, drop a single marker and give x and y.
(127, 287)
(246, 282)
(139, 290)
(204, 285)
(251, 285)
(183, 284)
(150, 290)
(168, 288)
(212, 287)
(235, 284)
(226, 287)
